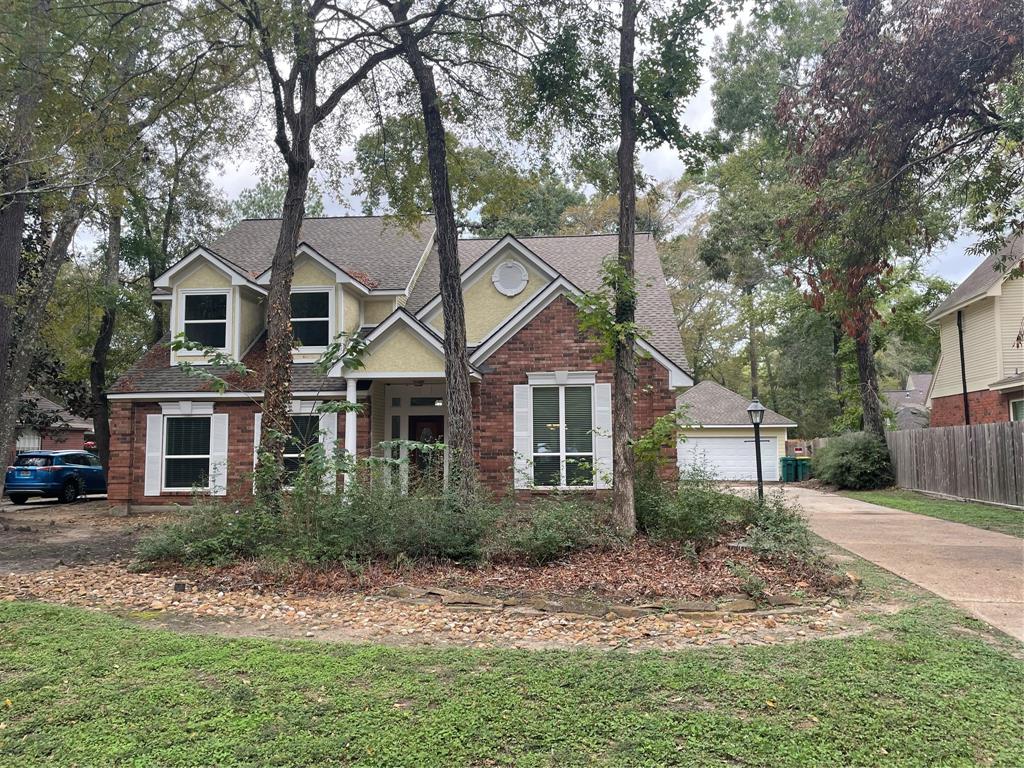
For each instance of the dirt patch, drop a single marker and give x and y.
(41, 536)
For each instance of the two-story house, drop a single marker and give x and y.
(979, 378)
(542, 405)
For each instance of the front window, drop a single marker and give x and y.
(187, 452)
(1017, 410)
(311, 318)
(305, 434)
(563, 436)
(206, 319)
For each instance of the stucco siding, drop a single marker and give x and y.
(375, 311)
(204, 275)
(399, 350)
(486, 306)
(349, 309)
(309, 274)
(251, 317)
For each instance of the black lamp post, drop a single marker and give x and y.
(756, 413)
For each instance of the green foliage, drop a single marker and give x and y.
(776, 530)
(696, 511)
(266, 200)
(857, 460)
(549, 527)
(750, 582)
(595, 313)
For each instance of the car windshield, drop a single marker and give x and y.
(32, 461)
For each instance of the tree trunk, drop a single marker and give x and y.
(459, 435)
(624, 509)
(868, 376)
(755, 378)
(36, 309)
(277, 369)
(101, 349)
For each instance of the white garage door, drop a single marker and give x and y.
(731, 458)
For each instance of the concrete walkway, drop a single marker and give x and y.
(980, 571)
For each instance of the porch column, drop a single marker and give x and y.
(350, 421)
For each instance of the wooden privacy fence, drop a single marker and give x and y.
(981, 462)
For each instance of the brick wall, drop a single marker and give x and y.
(551, 341)
(987, 407)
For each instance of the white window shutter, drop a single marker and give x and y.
(219, 454)
(602, 435)
(154, 453)
(522, 445)
(329, 441)
(257, 427)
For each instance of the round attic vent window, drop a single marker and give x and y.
(510, 278)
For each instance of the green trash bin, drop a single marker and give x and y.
(788, 466)
(803, 468)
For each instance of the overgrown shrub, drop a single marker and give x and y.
(695, 510)
(777, 530)
(857, 460)
(549, 527)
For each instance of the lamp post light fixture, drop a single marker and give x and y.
(756, 413)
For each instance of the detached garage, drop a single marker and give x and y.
(723, 438)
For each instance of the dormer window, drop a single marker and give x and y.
(311, 318)
(206, 319)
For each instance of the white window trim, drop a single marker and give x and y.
(179, 326)
(568, 379)
(164, 456)
(331, 313)
(1018, 400)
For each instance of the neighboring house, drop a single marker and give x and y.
(54, 428)
(722, 437)
(909, 405)
(542, 405)
(980, 374)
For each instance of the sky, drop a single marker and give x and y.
(950, 261)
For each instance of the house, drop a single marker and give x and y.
(979, 378)
(51, 426)
(909, 405)
(722, 438)
(542, 405)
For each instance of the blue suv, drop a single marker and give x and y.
(64, 474)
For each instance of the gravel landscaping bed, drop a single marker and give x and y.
(416, 617)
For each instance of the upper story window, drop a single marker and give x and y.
(311, 318)
(206, 319)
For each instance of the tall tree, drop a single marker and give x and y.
(318, 40)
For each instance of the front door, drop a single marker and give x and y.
(428, 429)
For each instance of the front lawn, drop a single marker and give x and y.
(987, 516)
(81, 688)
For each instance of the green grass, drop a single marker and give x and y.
(987, 516)
(89, 689)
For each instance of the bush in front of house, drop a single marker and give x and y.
(855, 461)
(548, 527)
(693, 511)
(777, 530)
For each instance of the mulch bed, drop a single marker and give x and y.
(641, 572)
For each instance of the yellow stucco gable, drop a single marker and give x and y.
(401, 350)
(308, 273)
(486, 306)
(204, 275)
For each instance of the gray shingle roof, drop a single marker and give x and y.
(376, 246)
(154, 373)
(710, 404)
(986, 275)
(60, 413)
(579, 258)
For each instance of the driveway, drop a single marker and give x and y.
(980, 571)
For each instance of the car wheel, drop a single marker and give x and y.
(69, 492)
(18, 498)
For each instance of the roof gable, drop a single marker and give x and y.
(983, 279)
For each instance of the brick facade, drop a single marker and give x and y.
(550, 342)
(987, 407)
